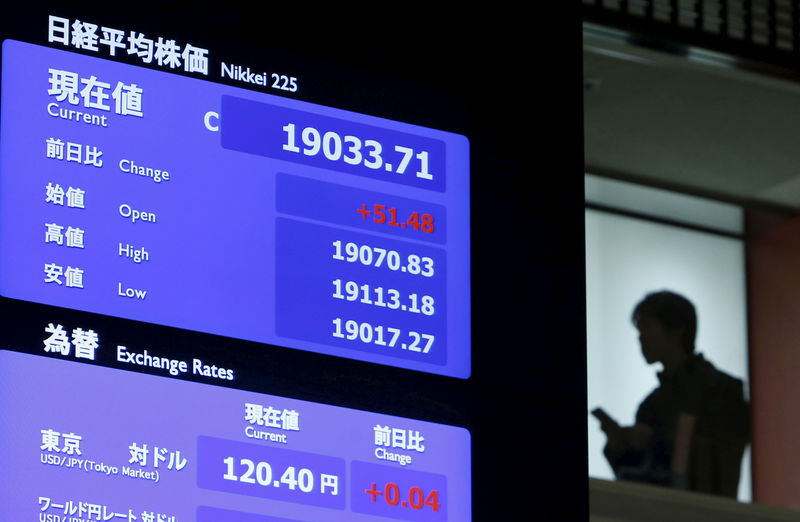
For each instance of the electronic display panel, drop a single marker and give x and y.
(127, 446)
(146, 195)
(502, 229)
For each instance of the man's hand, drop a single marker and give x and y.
(606, 422)
(629, 438)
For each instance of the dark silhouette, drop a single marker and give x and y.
(691, 431)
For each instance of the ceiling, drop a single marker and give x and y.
(697, 122)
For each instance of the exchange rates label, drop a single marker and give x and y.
(150, 196)
(122, 445)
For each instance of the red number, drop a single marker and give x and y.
(379, 211)
(392, 493)
(413, 220)
(433, 500)
(393, 220)
(416, 498)
(389, 216)
(427, 223)
(373, 492)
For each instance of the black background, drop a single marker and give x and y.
(512, 84)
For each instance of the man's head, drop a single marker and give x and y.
(667, 323)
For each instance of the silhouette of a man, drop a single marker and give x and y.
(691, 431)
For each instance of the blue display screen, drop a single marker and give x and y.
(145, 195)
(132, 447)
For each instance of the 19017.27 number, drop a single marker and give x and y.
(382, 336)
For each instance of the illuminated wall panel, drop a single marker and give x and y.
(310, 227)
(110, 442)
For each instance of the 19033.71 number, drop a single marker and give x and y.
(356, 151)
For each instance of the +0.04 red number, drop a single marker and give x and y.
(381, 214)
(415, 498)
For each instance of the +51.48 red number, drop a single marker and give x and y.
(388, 216)
(414, 498)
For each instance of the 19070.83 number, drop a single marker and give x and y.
(375, 256)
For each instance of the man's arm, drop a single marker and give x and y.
(627, 445)
(624, 442)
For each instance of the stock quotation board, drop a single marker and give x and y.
(124, 446)
(153, 191)
(173, 200)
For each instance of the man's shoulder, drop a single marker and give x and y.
(712, 378)
(725, 409)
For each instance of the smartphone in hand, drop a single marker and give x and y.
(605, 419)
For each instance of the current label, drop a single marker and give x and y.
(144, 195)
(123, 445)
